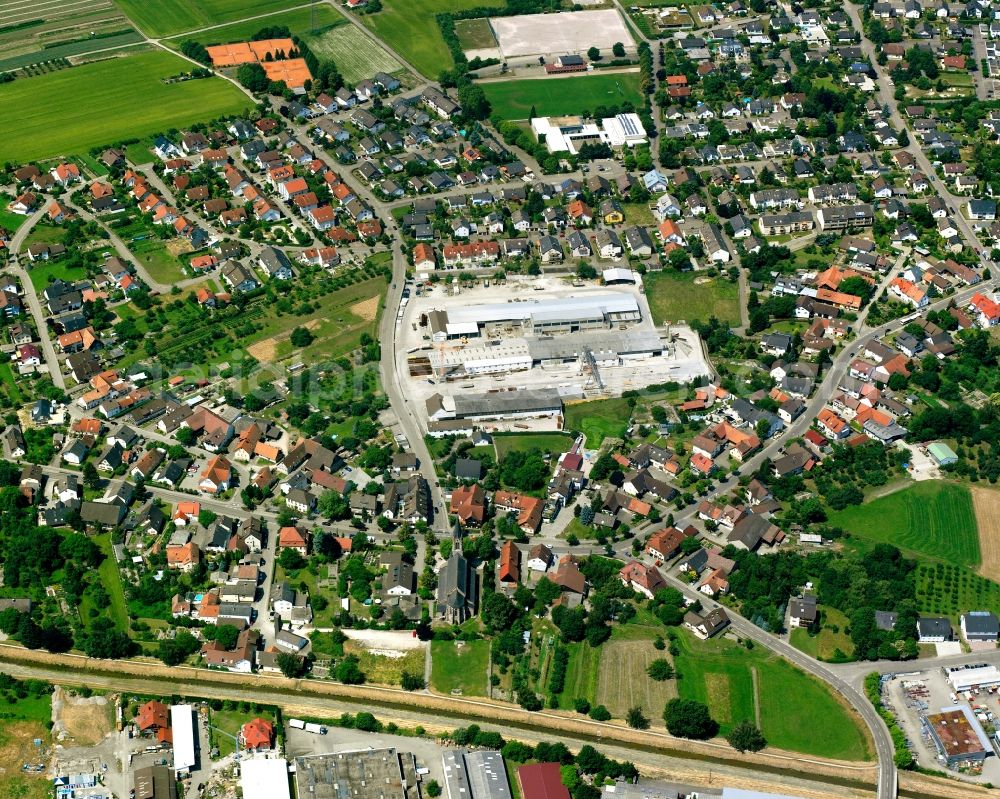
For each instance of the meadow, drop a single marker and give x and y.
(598, 419)
(410, 28)
(460, 666)
(300, 21)
(115, 99)
(356, 54)
(174, 16)
(582, 674)
(796, 712)
(674, 296)
(933, 519)
(514, 99)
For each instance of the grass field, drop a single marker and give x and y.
(9, 382)
(513, 99)
(624, 683)
(44, 272)
(598, 419)
(337, 324)
(826, 643)
(357, 55)
(796, 712)
(581, 674)
(161, 265)
(25, 721)
(460, 667)
(553, 443)
(111, 578)
(475, 34)
(174, 16)
(409, 27)
(226, 728)
(674, 296)
(299, 21)
(932, 518)
(115, 99)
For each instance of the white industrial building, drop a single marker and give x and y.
(523, 404)
(264, 778)
(568, 134)
(182, 726)
(964, 678)
(538, 317)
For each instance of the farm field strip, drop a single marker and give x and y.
(177, 16)
(133, 100)
(297, 20)
(986, 504)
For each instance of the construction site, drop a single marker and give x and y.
(545, 337)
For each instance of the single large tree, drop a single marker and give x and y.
(745, 737)
(687, 718)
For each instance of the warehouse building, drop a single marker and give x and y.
(366, 774)
(607, 348)
(517, 404)
(262, 778)
(957, 736)
(964, 678)
(182, 725)
(549, 316)
(487, 775)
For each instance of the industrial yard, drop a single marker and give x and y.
(534, 343)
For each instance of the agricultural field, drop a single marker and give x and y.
(832, 641)
(514, 99)
(674, 296)
(933, 519)
(460, 666)
(598, 419)
(133, 99)
(986, 504)
(300, 21)
(115, 40)
(174, 16)
(410, 28)
(357, 55)
(27, 27)
(795, 711)
(553, 443)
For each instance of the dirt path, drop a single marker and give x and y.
(986, 504)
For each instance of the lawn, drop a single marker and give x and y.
(111, 578)
(44, 272)
(174, 16)
(514, 99)
(357, 55)
(410, 28)
(598, 419)
(674, 296)
(582, 674)
(826, 643)
(460, 666)
(475, 34)
(226, 725)
(113, 100)
(931, 518)
(553, 443)
(9, 221)
(14, 393)
(299, 21)
(797, 712)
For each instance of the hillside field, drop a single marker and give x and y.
(514, 99)
(113, 100)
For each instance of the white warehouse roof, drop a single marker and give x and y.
(569, 307)
(263, 778)
(964, 679)
(182, 724)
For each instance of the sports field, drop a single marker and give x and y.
(301, 21)
(357, 55)
(410, 28)
(165, 17)
(598, 419)
(514, 99)
(113, 100)
(796, 712)
(931, 518)
(674, 296)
